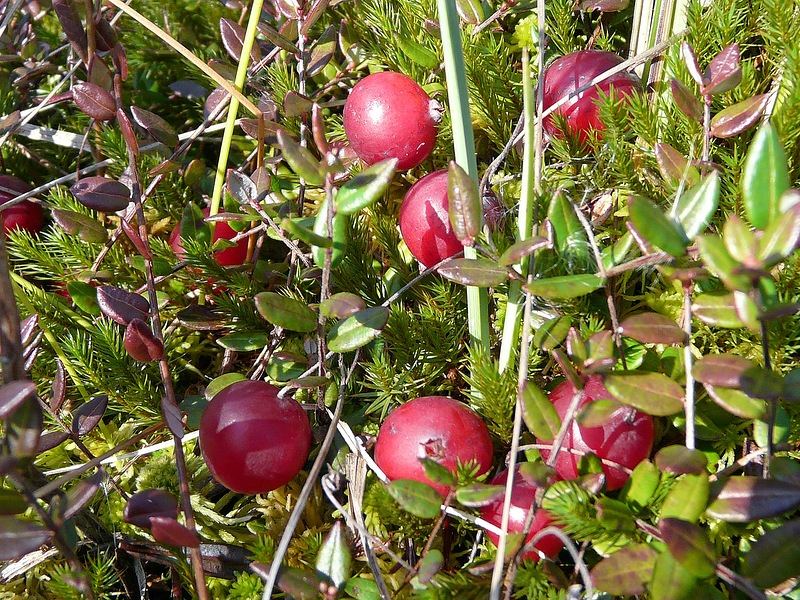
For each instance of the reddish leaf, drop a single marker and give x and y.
(173, 417)
(13, 394)
(141, 343)
(168, 531)
(27, 329)
(724, 72)
(17, 537)
(214, 100)
(88, 415)
(652, 328)
(155, 126)
(743, 499)
(122, 306)
(342, 305)
(128, 133)
(626, 572)
(94, 101)
(737, 118)
(775, 557)
(72, 24)
(687, 102)
(603, 5)
(296, 105)
(84, 226)
(464, 204)
(674, 166)
(690, 546)
(101, 194)
(721, 370)
(149, 503)
(520, 250)
(81, 494)
(233, 36)
(50, 440)
(681, 460)
(105, 36)
(135, 239)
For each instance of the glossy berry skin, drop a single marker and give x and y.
(388, 115)
(25, 215)
(252, 440)
(572, 71)
(435, 427)
(425, 222)
(626, 438)
(235, 255)
(523, 494)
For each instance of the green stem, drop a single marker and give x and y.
(233, 110)
(525, 218)
(464, 145)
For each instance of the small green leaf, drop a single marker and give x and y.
(614, 515)
(780, 432)
(366, 187)
(478, 272)
(193, 225)
(681, 460)
(539, 414)
(717, 309)
(765, 384)
(12, 503)
(674, 166)
(658, 229)
(565, 286)
(358, 330)
(471, 11)
(337, 233)
(297, 231)
(687, 102)
(464, 204)
(300, 159)
(333, 560)
(642, 484)
(744, 499)
(569, 235)
(652, 328)
(597, 413)
(418, 498)
(739, 239)
(718, 260)
(687, 499)
(775, 556)
(626, 572)
(218, 384)
(690, 546)
(430, 565)
(286, 312)
(362, 589)
(765, 177)
(244, 341)
(85, 227)
(737, 402)
(552, 333)
(671, 581)
(84, 296)
(780, 238)
(417, 53)
(477, 495)
(695, 207)
(652, 393)
(437, 473)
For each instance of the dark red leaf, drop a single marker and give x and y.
(155, 126)
(173, 417)
(72, 24)
(652, 328)
(94, 101)
(168, 531)
(81, 494)
(141, 343)
(743, 499)
(688, 103)
(724, 72)
(149, 503)
(214, 100)
(50, 440)
(88, 415)
(739, 117)
(721, 370)
(102, 194)
(13, 394)
(122, 306)
(603, 5)
(105, 36)
(135, 239)
(27, 328)
(127, 131)
(233, 36)
(17, 537)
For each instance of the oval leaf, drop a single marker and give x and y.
(13, 394)
(765, 177)
(723, 73)
(167, 530)
(300, 159)
(743, 499)
(516, 252)
(739, 117)
(477, 272)
(286, 312)
(737, 402)
(477, 495)
(674, 166)
(687, 499)
(334, 560)
(596, 413)
(671, 581)
(358, 330)
(565, 286)
(464, 204)
(122, 306)
(418, 498)
(141, 343)
(539, 414)
(366, 187)
(149, 503)
(95, 101)
(88, 415)
(652, 393)
(652, 328)
(681, 460)
(781, 237)
(626, 572)
(18, 538)
(81, 494)
(158, 128)
(695, 208)
(656, 228)
(717, 310)
(342, 305)
(86, 228)
(775, 557)
(101, 194)
(244, 341)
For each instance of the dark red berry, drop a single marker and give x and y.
(25, 215)
(435, 427)
(388, 115)
(626, 438)
(252, 440)
(235, 255)
(523, 494)
(572, 71)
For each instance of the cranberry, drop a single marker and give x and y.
(235, 255)
(425, 222)
(435, 427)
(388, 115)
(252, 440)
(572, 71)
(25, 215)
(523, 493)
(626, 438)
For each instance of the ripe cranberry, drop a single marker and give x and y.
(25, 215)
(252, 440)
(626, 438)
(570, 72)
(435, 427)
(235, 255)
(388, 115)
(523, 493)
(425, 222)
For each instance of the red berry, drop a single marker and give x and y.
(235, 255)
(435, 427)
(626, 438)
(252, 440)
(523, 493)
(425, 222)
(388, 115)
(572, 71)
(25, 215)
